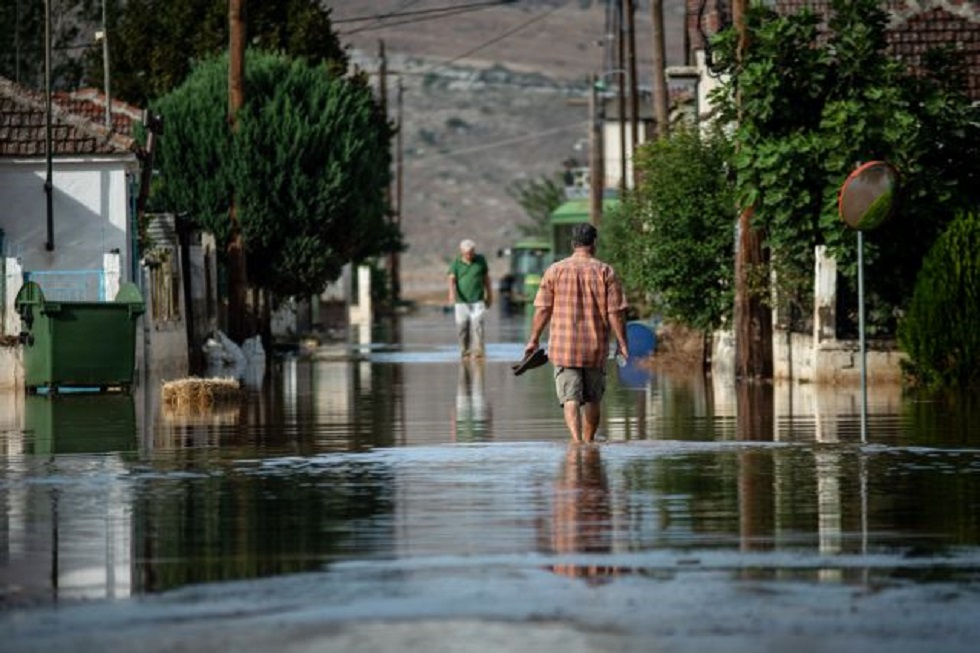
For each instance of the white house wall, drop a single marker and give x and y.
(90, 213)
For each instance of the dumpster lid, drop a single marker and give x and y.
(129, 294)
(29, 293)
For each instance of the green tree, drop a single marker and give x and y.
(155, 43)
(307, 166)
(941, 331)
(672, 240)
(539, 198)
(811, 110)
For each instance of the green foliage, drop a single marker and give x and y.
(672, 240)
(193, 155)
(941, 331)
(154, 44)
(539, 198)
(811, 110)
(307, 168)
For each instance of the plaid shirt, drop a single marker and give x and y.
(581, 291)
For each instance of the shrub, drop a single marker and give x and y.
(941, 331)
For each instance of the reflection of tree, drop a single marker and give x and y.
(755, 411)
(692, 496)
(688, 400)
(240, 525)
(581, 512)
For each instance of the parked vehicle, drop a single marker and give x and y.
(528, 259)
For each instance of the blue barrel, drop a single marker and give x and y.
(641, 339)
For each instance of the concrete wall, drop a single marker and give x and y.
(819, 357)
(830, 362)
(90, 213)
(11, 367)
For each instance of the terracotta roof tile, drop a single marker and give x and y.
(916, 27)
(912, 38)
(23, 126)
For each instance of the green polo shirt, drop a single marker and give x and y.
(469, 278)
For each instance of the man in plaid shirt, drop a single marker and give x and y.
(582, 300)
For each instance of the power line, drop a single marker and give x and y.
(508, 141)
(498, 38)
(432, 10)
(396, 10)
(415, 16)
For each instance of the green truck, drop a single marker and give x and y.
(569, 214)
(530, 256)
(528, 259)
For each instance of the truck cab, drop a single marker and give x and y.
(528, 259)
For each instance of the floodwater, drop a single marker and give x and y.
(381, 494)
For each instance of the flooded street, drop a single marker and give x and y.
(382, 495)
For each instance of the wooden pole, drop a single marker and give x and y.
(597, 171)
(237, 276)
(633, 81)
(660, 98)
(621, 75)
(383, 95)
(396, 284)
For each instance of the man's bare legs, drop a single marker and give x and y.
(590, 420)
(582, 425)
(573, 420)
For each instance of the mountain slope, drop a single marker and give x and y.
(489, 96)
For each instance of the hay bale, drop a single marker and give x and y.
(194, 392)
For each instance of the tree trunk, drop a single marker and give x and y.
(753, 319)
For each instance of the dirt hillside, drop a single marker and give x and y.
(490, 95)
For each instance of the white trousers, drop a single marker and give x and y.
(469, 328)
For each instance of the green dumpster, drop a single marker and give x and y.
(78, 344)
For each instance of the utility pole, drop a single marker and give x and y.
(621, 74)
(753, 320)
(396, 284)
(660, 98)
(49, 176)
(104, 35)
(597, 170)
(383, 101)
(634, 83)
(237, 275)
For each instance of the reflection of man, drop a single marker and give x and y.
(581, 515)
(471, 417)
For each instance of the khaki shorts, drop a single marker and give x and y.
(582, 384)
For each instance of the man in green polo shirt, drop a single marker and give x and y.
(469, 292)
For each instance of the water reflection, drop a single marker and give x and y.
(581, 514)
(253, 521)
(396, 450)
(471, 415)
(79, 423)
